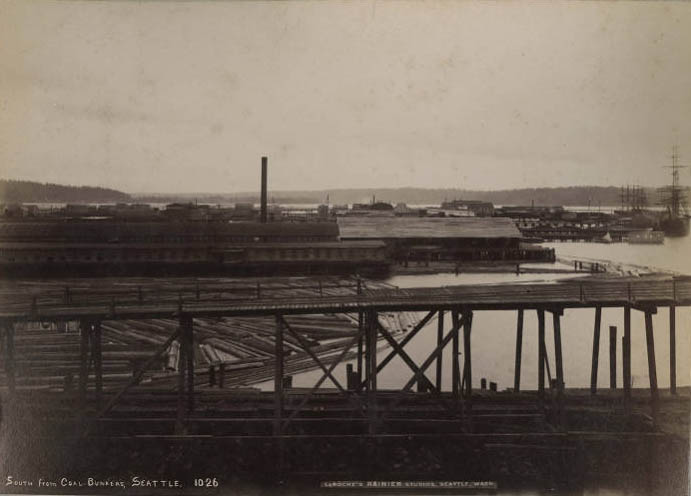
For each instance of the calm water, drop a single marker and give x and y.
(494, 333)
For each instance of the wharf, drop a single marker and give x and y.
(355, 426)
(141, 299)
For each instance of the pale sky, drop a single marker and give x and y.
(163, 96)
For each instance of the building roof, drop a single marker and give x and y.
(427, 227)
(106, 230)
(177, 246)
(315, 244)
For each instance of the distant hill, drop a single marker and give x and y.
(284, 197)
(32, 192)
(568, 196)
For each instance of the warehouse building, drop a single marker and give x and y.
(461, 239)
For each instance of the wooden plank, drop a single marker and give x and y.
(650, 341)
(18, 305)
(613, 357)
(519, 351)
(188, 337)
(182, 366)
(9, 358)
(672, 349)
(627, 352)
(440, 337)
(596, 350)
(541, 355)
(455, 366)
(84, 332)
(409, 336)
(405, 357)
(372, 356)
(278, 378)
(556, 322)
(314, 388)
(97, 358)
(467, 362)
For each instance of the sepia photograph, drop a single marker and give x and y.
(345, 248)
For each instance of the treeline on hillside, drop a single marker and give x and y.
(32, 192)
(218, 198)
(12, 191)
(568, 196)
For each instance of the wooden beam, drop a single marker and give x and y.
(188, 334)
(372, 389)
(410, 335)
(182, 367)
(455, 367)
(97, 358)
(440, 336)
(138, 375)
(650, 341)
(541, 355)
(627, 352)
(278, 377)
(433, 356)
(221, 374)
(468, 369)
(467, 362)
(510, 297)
(672, 349)
(645, 308)
(367, 350)
(359, 348)
(305, 346)
(404, 356)
(333, 365)
(9, 357)
(613, 357)
(556, 324)
(426, 364)
(596, 350)
(546, 363)
(519, 351)
(84, 333)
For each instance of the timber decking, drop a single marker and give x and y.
(119, 299)
(47, 356)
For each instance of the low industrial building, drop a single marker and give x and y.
(105, 246)
(476, 207)
(460, 239)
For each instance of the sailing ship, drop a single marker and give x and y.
(675, 220)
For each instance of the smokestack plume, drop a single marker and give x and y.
(263, 194)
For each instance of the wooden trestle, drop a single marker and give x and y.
(187, 301)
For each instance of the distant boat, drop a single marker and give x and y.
(646, 237)
(675, 226)
(675, 221)
(607, 238)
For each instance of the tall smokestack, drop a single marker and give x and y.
(263, 195)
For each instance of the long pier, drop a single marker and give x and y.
(72, 300)
(357, 406)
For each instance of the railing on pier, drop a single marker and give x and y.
(91, 306)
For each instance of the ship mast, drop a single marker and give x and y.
(676, 199)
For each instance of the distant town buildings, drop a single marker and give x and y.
(476, 207)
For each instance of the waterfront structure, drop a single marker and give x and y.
(460, 239)
(469, 430)
(477, 207)
(103, 247)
